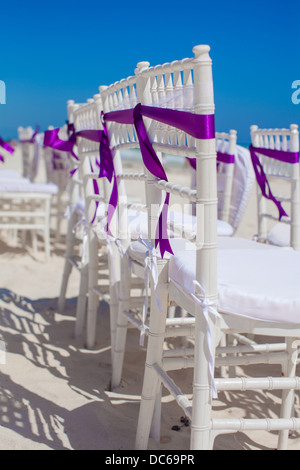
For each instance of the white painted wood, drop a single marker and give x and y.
(74, 216)
(204, 428)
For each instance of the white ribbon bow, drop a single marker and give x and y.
(82, 223)
(150, 266)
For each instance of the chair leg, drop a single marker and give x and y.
(121, 327)
(64, 285)
(82, 300)
(288, 396)
(93, 298)
(59, 217)
(34, 241)
(47, 229)
(202, 396)
(156, 419)
(152, 383)
(68, 265)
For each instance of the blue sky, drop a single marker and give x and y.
(60, 50)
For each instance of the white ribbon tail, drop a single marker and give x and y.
(207, 308)
(150, 266)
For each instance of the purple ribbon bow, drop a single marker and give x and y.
(52, 140)
(6, 147)
(197, 125)
(281, 155)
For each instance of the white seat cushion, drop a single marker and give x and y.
(280, 234)
(137, 250)
(25, 187)
(189, 221)
(261, 284)
(234, 243)
(12, 175)
(138, 224)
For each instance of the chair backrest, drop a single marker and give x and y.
(277, 155)
(187, 86)
(30, 149)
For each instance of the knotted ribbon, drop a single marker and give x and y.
(281, 155)
(52, 140)
(6, 147)
(197, 125)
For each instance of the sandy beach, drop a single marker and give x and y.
(54, 393)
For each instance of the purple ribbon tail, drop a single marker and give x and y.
(72, 172)
(161, 237)
(153, 164)
(149, 156)
(6, 147)
(106, 157)
(113, 201)
(52, 140)
(96, 191)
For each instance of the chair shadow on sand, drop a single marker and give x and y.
(44, 342)
(32, 330)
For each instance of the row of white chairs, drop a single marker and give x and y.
(25, 205)
(31, 199)
(49, 166)
(224, 285)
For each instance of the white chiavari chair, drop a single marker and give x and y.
(26, 206)
(97, 271)
(94, 273)
(240, 286)
(75, 215)
(123, 95)
(77, 246)
(116, 97)
(286, 232)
